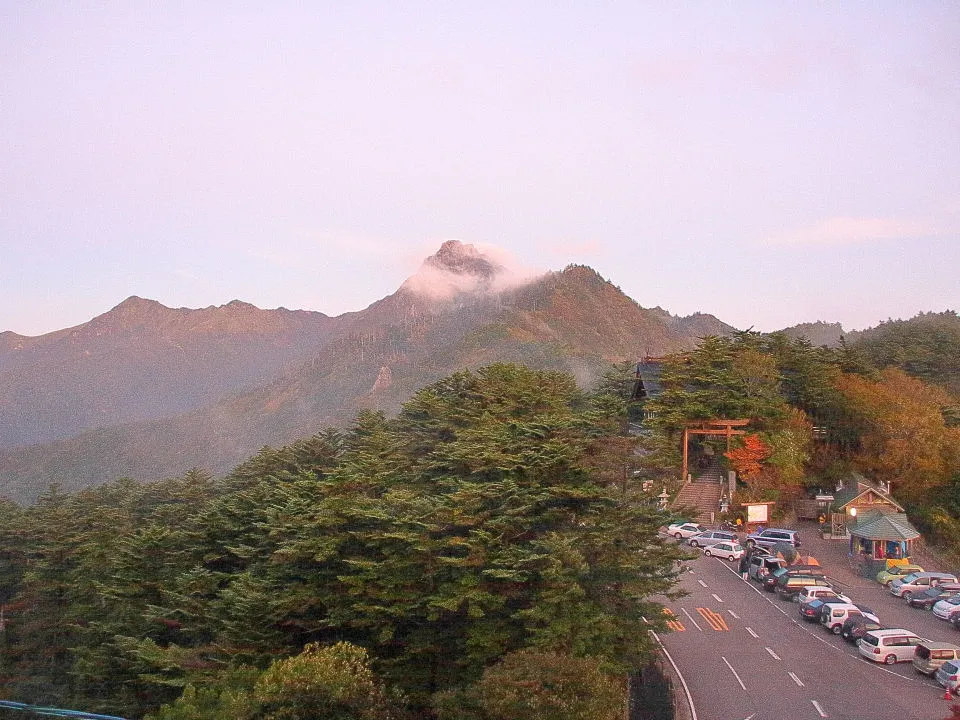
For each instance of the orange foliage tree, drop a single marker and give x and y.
(747, 460)
(904, 438)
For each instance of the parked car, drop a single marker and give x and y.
(726, 550)
(711, 537)
(770, 582)
(771, 536)
(929, 597)
(889, 646)
(856, 626)
(929, 656)
(681, 530)
(789, 585)
(833, 616)
(917, 582)
(811, 609)
(947, 609)
(948, 675)
(820, 591)
(885, 577)
(762, 566)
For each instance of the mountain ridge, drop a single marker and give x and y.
(376, 358)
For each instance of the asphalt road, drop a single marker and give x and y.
(744, 653)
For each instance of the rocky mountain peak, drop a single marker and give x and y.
(458, 258)
(460, 268)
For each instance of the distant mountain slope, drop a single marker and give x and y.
(926, 346)
(820, 334)
(142, 361)
(457, 312)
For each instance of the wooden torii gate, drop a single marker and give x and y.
(709, 427)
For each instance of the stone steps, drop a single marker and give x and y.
(702, 494)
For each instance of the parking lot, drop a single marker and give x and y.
(893, 611)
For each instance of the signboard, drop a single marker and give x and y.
(757, 513)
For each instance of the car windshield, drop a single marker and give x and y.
(955, 600)
(909, 578)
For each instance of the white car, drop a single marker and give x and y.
(727, 550)
(684, 530)
(947, 609)
(889, 645)
(819, 591)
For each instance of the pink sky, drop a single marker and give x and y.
(769, 163)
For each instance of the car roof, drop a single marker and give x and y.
(885, 632)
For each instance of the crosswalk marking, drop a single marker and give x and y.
(715, 619)
(674, 624)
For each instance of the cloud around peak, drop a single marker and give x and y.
(461, 268)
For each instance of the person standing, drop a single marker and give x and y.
(744, 565)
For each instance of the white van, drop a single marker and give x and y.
(833, 616)
(889, 646)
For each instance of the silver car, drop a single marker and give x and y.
(711, 537)
(726, 549)
(948, 675)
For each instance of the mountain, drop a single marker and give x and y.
(285, 375)
(820, 334)
(926, 346)
(144, 361)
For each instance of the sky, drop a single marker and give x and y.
(770, 163)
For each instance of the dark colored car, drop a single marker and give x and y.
(770, 581)
(929, 597)
(856, 627)
(810, 610)
(788, 586)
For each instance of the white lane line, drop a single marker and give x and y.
(819, 709)
(686, 690)
(772, 654)
(690, 618)
(734, 672)
(733, 615)
(750, 630)
(797, 680)
(702, 582)
(716, 597)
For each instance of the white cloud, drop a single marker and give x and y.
(855, 230)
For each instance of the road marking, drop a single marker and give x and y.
(772, 654)
(690, 617)
(734, 672)
(819, 709)
(750, 717)
(795, 679)
(750, 630)
(686, 690)
(702, 582)
(733, 615)
(672, 621)
(714, 618)
(716, 597)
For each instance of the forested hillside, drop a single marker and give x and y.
(415, 558)
(494, 532)
(926, 346)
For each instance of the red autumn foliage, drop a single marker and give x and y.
(748, 459)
